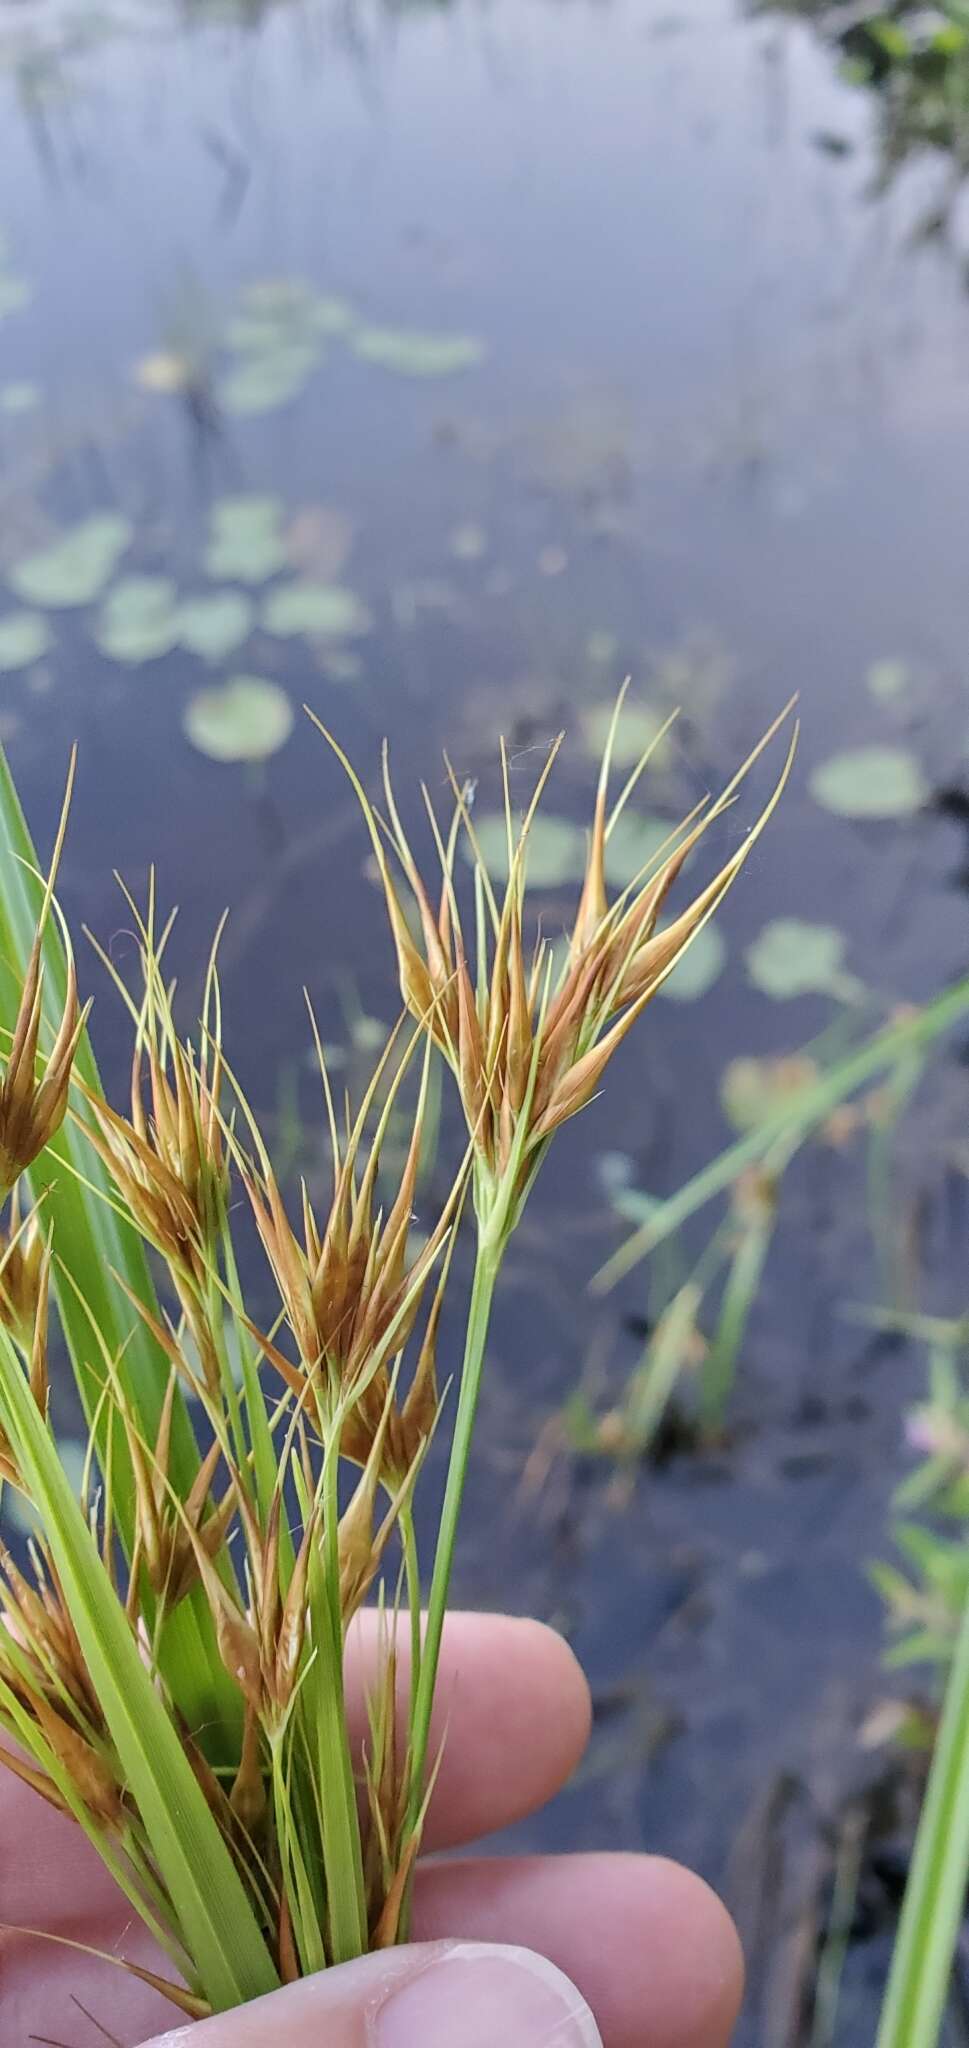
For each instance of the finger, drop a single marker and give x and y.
(442, 1995)
(648, 1944)
(511, 1708)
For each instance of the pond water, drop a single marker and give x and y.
(569, 340)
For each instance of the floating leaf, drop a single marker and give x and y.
(19, 398)
(138, 620)
(793, 958)
(332, 315)
(637, 729)
(636, 838)
(266, 381)
(318, 541)
(245, 719)
(15, 293)
(602, 646)
(215, 626)
(889, 679)
(468, 542)
(752, 1089)
(556, 849)
(74, 569)
(870, 782)
(24, 637)
(413, 354)
(246, 544)
(320, 610)
(699, 968)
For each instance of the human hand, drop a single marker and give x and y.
(652, 1953)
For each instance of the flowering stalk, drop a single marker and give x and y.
(527, 1047)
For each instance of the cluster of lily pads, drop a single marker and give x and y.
(280, 334)
(141, 617)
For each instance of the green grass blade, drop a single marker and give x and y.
(934, 1901)
(218, 1925)
(794, 1120)
(91, 1242)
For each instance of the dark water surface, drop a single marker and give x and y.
(717, 436)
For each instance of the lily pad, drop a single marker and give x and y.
(24, 637)
(890, 679)
(267, 380)
(331, 314)
(635, 839)
(637, 729)
(556, 849)
(74, 569)
(215, 626)
(752, 1089)
(793, 958)
(701, 966)
(246, 544)
(15, 293)
(138, 620)
(320, 610)
(870, 782)
(245, 719)
(413, 354)
(19, 398)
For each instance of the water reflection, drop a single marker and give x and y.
(436, 365)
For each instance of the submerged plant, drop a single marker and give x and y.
(171, 1654)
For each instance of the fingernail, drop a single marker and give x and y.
(475, 1995)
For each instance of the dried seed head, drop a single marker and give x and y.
(527, 1056)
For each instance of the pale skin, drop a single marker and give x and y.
(649, 1947)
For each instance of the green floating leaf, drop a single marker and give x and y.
(889, 679)
(19, 398)
(139, 620)
(74, 569)
(793, 958)
(870, 782)
(331, 314)
(753, 1089)
(320, 610)
(24, 637)
(269, 379)
(246, 543)
(245, 719)
(15, 293)
(213, 627)
(556, 849)
(635, 839)
(701, 966)
(413, 354)
(602, 646)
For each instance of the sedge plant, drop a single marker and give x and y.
(172, 1646)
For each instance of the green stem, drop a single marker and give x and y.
(413, 1575)
(935, 1894)
(487, 1265)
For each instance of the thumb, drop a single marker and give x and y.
(439, 1994)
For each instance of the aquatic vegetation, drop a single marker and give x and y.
(639, 727)
(870, 782)
(24, 637)
(792, 957)
(318, 610)
(214, 626)
(413, 354)
(244, 719)
(138, 620)
(73, 569)
(171, 1660)
(19, 398)
(889, 680)
(246, 542)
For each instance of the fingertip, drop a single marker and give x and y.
(703, 1982)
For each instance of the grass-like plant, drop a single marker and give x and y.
(171, 1654)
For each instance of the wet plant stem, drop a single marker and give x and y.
(490, 1252)
(934, 1901)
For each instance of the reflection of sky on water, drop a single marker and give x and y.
(725, 399)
